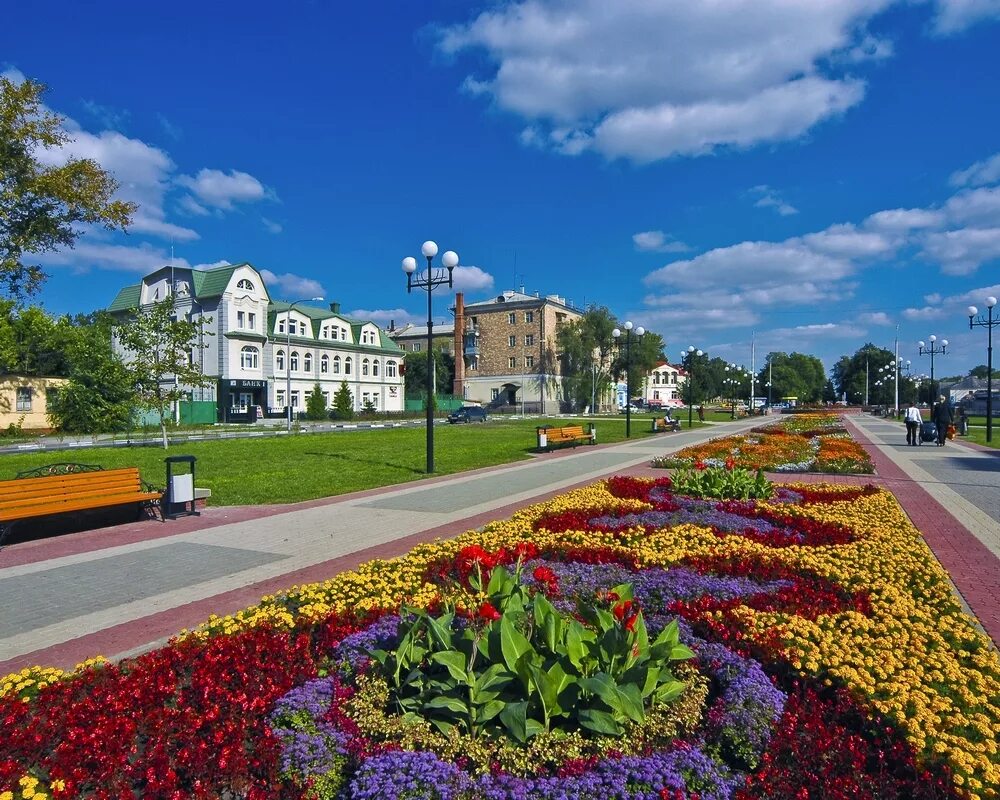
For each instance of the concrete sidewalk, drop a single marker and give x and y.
(118, 591)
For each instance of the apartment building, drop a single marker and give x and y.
(663, 385)
(510, 356)
(267, 354)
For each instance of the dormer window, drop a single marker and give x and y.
(245, 284)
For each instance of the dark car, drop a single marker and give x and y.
(467, 414)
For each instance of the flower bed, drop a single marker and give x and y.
(829, 651)
(803, 443)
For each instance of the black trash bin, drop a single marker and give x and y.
(178, 500)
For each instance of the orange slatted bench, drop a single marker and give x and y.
(568, 434)
(63, 488)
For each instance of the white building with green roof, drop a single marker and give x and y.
(261, 348)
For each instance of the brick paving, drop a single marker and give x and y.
(312, 541)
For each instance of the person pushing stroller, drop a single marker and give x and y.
(943, 418)
(912, 418)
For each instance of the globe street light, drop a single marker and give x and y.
(628, 368)
(987, 323)
(429, 281)
(932, 350)
(288, 363)
(691, 353)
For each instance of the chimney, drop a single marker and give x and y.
(335, 307)
(392, 325)
(458, 389)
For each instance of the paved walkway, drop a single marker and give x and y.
(121, 590)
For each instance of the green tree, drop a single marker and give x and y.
(43, 208)
(793, 375)
(586, 353)
(645, 352)
(343, 402)
(982, 371)
(100, 394)
(855, 375)
(695, 389)
(316, 404)
(159, 344)
(416, 373)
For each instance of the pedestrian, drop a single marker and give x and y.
(942, 416)
(962, 422)
(912, 418)
(701, 413)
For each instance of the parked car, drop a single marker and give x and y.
(632, 409)
(467, 414)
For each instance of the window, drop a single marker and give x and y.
(24, 398)
(250, 358)
(474, 362)
(416, 347)
(529, 316)
(326, 399)
(512, 341)
(529, 340)
(375, 399)
(241, 320)
(390, 369)
(295, 398)
(308, 362)
(375, 368)
(252, 321)
(512, 362)
(279, 398)
(512, 317)
(365, 367)
(343, 334)
(294, 366)
(324, 364)
(529, 361)
(281, 325)
(279, 361)
(336, 365)
(347, 365)
(494, 394)
(245, 284)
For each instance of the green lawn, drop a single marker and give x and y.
(286, 469)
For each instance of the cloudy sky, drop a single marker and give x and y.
(811, 175)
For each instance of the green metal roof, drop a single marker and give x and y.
(213, 282)
(127, 298)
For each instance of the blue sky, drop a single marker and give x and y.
(812, 174)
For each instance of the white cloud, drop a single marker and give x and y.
(924, 313)
(290, 286)
(903, 220)
(932, 298)
(954, 16)
(974, 207)
(102, 255)
(383, 317)
(658, 242)
(846, 241)
(271, 226)
(220, 190)
(111, 118)
(963, 251)
(823, 330)
(769, 198)
(188, 205)
(981, 173)
(646, 80)
(874, 318)
(471, 279)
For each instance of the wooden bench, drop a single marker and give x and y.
(63, 488)
(664, 424)
(568, 434)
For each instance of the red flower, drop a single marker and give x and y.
(699, 464)
(488, 612)
(730, 462)
(544, 575)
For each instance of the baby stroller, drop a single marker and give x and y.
(928, 432)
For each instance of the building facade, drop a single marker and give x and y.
(24, 401)
(663, 385)
(510, 355)
(265, 354)
(413, 338)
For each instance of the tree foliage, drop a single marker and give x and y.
(587, 351)
(343, 402)
(856, 374)
(42, 207)
(159, 344)
(793, 375)
(416, 373)
(316, 404)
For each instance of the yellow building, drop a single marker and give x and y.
(24, 401)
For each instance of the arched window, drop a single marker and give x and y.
(347, 365)
(390, 369)
(245, 284)
(364, 367)
(279, 361)
(250, 357)
(336, 365)
(294, 361)
(308, 362)
(324, 364)
(375, 367)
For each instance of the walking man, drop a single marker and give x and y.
(942, 418)
(912, 418)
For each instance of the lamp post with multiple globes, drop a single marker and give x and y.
(617, 333)
(988, 322)
(428, 281)
(691, 353)
(932, 350)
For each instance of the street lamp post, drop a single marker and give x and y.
(429, 281)
(288, 361)
(987, 323)
(691, 352)
(932, 350)
(628, 368)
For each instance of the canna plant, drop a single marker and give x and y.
(520, 667)
(722, 483)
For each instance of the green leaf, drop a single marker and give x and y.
(443, 702)
(500, 582)
(574, 644)
(495, 677)
(681, 652)
(626, 699)
(440, 630)
(547, 691)
(668, 692)
(454, 662)
(515, 719)
(624, 591)
(490, 710)
(513, 644)
(599, 722)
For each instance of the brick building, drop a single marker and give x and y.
(510, 354)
